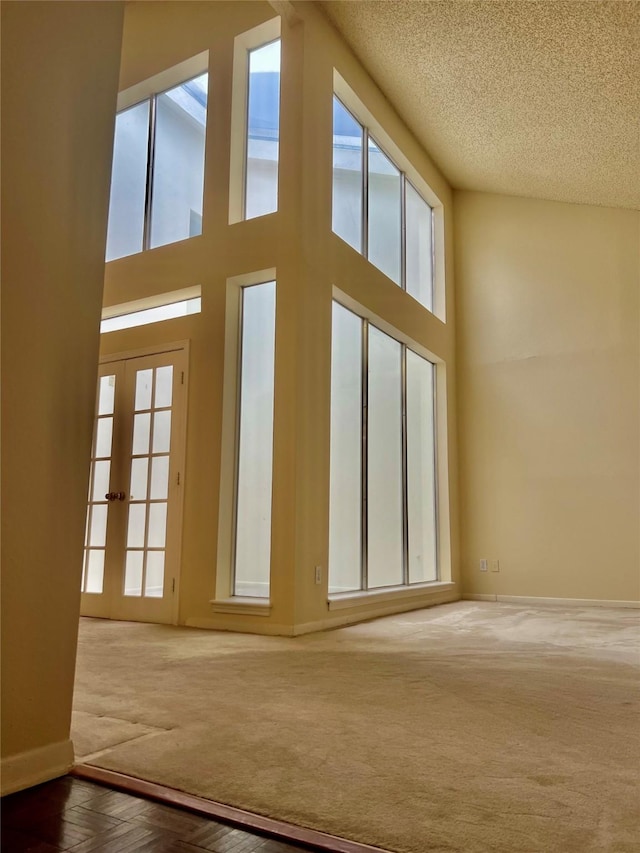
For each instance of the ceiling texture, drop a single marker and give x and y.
(537, 99)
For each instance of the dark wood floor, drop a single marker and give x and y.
(80, 816)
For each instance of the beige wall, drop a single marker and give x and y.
(547, 301)
(59, 84)
(309, 260)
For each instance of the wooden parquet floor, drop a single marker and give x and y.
(76, 815)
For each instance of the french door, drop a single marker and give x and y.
(134, 513)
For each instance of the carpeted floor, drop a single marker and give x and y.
(467, 727)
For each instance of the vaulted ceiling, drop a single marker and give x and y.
(538, 99)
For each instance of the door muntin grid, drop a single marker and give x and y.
(95, 538)
(145, 551)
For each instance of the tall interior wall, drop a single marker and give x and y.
(59, 84)
(549, 393)
(309, 260)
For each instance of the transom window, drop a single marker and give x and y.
(382, 529)
(157, 179)
(378, 211)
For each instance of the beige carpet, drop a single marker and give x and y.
(468, 727)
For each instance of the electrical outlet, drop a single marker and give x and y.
(483, 565)
(495, 565)
(318, 574)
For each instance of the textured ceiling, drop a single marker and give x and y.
(538, 99)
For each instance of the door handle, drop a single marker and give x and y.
(114, 496)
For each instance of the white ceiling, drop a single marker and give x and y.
(538, 99)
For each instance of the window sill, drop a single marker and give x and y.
(344, 600)
(242, 606)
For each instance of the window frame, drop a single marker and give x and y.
(364, 589)
(244, 44)
(372, 129)
(150, 90)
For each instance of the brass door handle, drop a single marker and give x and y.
(114, 496)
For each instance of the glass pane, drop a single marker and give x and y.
(133, 573)
(384, 213)
(253, 517)
(135, 529)
(164, 383)
(418, 247)
(157, 525)
(154, 576)
(347, 176)
(178, 166)
(159, 478)
(104, 430)
(384, 454)
(100, 480)
(152, 315)
(263, 128)
(128, 182)
(161, 432)
(95, 572)
(138, 484)
(346, 430)
(141, 427)
(421, 484)
(99, 526)
(106, 395)
(144, 384)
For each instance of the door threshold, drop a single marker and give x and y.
(220, 811)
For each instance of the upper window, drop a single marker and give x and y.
(157, 179)
(378, 211)
(263, 130)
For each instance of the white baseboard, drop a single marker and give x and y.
(544, 601)
(35, 766)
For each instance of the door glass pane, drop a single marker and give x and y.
(346, 468)
(384, 213)
(154, 575)
(164, 383)
(263, 130)
(106, 395)
(95, 572)
(157, 525)
(144, 384)
(384, 454)
(253, 515)
(133, 573)
(128, 182)
(104, 430)
(100, 479)
(98, 526)
(161, 432)
(159, 478)
(135, 529)
(141, 427)
(418, 247)
(421, 484)
(138, 485)
(347, 176)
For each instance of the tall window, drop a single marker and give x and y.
(255, 441)
(378, 211)
(263, 131)
(157, 180)
(382, 529)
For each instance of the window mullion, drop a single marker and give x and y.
(365, 193)
(151, 145)
(364, 502)
(403, 231)
(405, 489)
